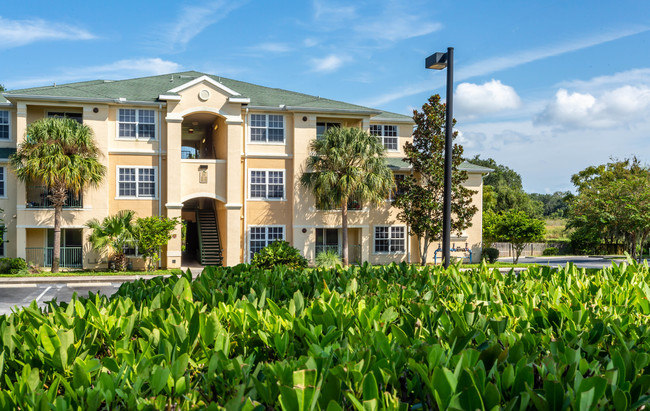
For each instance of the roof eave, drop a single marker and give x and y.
(80, 99)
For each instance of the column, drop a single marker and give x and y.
(233, 244)
(171, 189)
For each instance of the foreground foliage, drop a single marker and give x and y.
(364, 338)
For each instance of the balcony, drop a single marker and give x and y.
(39, 197)
(71, 257)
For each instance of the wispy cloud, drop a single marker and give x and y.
(272, 48)
(396, 25)
(16, 33)
(634, 76)
(327, 64)
(192, 20)
(493, 65)
(332, 13)
(117, 70)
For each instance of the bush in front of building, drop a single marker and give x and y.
(12, 265)
(551, 251)
(328, 259)
(490, 254)
(279, 253)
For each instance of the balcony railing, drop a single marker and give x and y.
(354, 251)
(321, 248)
(71, 257)
(39, 197)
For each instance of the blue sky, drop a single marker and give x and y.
(546, 88)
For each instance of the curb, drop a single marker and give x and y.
(17, 281)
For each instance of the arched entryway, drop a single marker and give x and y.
(204, 241)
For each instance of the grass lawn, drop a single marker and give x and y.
(82, 273)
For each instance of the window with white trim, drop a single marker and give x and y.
(3, 236)
(266, 184)
(388, 135)
(267, 128)
(4, 125)
(390, 239)
(136, 123)
(3, 182)
(136, 182)
(261, 236)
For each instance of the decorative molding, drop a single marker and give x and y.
(234, 206)
(203, 161)
(135, 152)
(174, 205)
(169, 97)
(267, 155)
(243, 100)
(174, 253)
(203, 194)
(206, 79)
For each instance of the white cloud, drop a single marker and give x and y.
(272, 47)
(120, 69)
(634, 76)
(327, 64)
(493, 65)
(490, 97)
(15, 33)
(310, 42)
(621, 106)
(331, 13)
(398, 26)
(192, 20)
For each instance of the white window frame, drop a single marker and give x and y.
(137, 183)
(3, 181)
(8, 125)
(384, 136)
(390, 238)
(4, 239)
(137, 123)
(266, 127)
(266, 171)
(266, 236)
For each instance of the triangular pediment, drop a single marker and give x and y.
(206, 79)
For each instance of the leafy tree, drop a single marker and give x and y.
(152, 233)
(490, 222)
(116, 232)
(503, 190)
(613, 202)
(518, 229)
(421, 200)
(62, 155)
(347, 163)
(276, 253)
(2, 88)
(555, 205)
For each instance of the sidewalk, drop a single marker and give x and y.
(88, 278)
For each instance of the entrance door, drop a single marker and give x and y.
(327, 239)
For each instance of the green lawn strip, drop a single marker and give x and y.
(95, 273)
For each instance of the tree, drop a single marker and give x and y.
(421, 200)
(60, 154)
(490, 221)
(152, 233)
(613, 202)
(116, 232)
(2, 88)
(503, 190)
(517, 228)
(347, 163)
(555, 205)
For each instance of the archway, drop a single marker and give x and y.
(203, 242)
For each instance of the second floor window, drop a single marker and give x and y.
(2, 182)
(267, 184)
(387, 134)
(267, 128)
(322, 127)
(136, 123)
(136, 182)
(4, 125)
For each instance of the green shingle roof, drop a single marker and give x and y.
(147, 89)
(400, 164)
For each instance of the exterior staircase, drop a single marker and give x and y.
(209, 241)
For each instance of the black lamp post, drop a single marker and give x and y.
(439, 61)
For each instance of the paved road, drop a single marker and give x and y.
(12, 295)
(579, 261)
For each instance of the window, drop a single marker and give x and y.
(399, 186)
(3, 235)
(136, 124)
(267, 128)
(4, 125)
(78, 117)
(262, 236)
(388, 135)
(2, 182)
(136, 182)
(390, 239)
(266, 184)
(321, 128)
(131, 251)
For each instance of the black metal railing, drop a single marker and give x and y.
(39, 197)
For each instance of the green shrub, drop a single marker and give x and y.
(328, 259)
(490, 254)
(279, 253)
(551, 251)
(12, 265)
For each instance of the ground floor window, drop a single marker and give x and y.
(3, 233)
(261, 236)
(390, 239)
(327, 239)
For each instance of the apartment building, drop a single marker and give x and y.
(223, 155)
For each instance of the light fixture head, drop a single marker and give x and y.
(437, 61)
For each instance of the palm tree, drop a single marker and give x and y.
(117, 232)
(60, 154)
(345, 164)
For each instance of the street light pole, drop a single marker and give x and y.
(439, 61)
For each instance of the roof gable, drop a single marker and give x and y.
(200, 80)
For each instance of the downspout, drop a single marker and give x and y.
(160, 183)
(245, 187)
